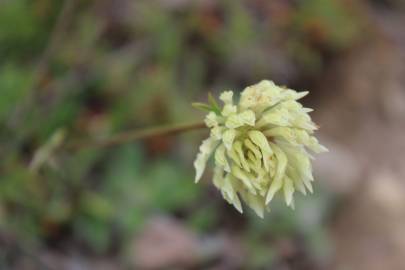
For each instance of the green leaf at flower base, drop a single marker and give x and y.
(214, 104)
(201, 106)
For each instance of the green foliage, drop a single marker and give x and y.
(14, 83)
(24, 23)
(211, 106)
(323, 17)
(318, 26)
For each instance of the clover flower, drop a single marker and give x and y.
(259, 146)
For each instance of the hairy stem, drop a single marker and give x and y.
(134, 135)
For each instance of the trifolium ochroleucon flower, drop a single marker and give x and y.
(259, 146)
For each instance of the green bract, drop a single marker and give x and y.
(260, 146)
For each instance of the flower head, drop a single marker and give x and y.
(259, 146)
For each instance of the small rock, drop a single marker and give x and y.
(165, 243)
(339, 169)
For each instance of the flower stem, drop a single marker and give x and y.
(130, 136)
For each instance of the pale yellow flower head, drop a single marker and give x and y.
(259, 146)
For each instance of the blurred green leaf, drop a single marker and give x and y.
(201, 106)
(169, 186)
(14, 83)
(204, 218)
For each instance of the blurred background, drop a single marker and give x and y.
(90, 69)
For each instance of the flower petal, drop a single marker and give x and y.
(238, 148)
(228, 137)
(221, 159)
(227, 97)
(245, 178)
(255, 202)
(288, 189)
(211, 120)
(206, 149)
(260, 140)
(277, 183)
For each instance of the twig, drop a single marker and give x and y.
(131, 136)
(58, 31)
